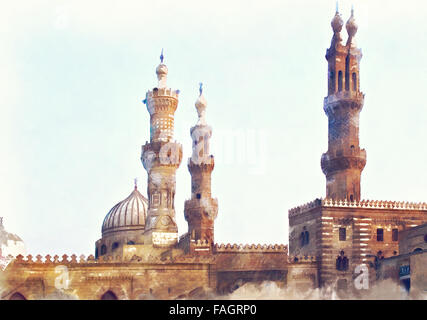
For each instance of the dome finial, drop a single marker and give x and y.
(135, 181)
(351, 25)
(337, 22)
(1, 222)
(336, 7)
(162, 72)
(201, 104)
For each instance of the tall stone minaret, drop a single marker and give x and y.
(161, 157)
(201, 210)
(344, 161)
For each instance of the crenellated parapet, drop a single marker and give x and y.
(305, 207)
(64, 259)
(367, 204)
(82, 259)
(376, 204)
(255, 248)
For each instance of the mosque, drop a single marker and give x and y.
(141, 256)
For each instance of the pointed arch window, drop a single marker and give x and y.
(109, 295)
(17, 296)
(304, 237)
(331, 82)
(354, 80)
(342, 262)
(340, 81)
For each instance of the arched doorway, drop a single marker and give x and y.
(17, 296)
(109, 295)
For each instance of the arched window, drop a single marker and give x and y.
(115, 246)
(343, 232)
(306, 237)
(17, 296)
(354, 80)
(425, 238)
(347, 73)
(395, 234)
(130, 242)
(103, 249)
(340, 81)
(418, 250)
(96, 253)
(109, 295)
(380, 234)
(331, 82)
(342, 262)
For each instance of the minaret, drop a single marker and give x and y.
(201, 210)
(161, 157)
(344, 161)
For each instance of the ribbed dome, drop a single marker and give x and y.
(128, 214)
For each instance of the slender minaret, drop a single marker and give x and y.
(344, 161)
(201, 210)
(161, 157)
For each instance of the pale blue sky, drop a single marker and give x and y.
(72, 123)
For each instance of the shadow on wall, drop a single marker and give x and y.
(385, 290)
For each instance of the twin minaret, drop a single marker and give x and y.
(161, 158)
(344, 161)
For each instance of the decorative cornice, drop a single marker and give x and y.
(257, 248)
(368, 204)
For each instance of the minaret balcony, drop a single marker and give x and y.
(197, 207)
(343, 160)
(206, 162)
(354, 99)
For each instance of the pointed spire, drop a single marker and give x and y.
(200, 88)
(161, 57)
